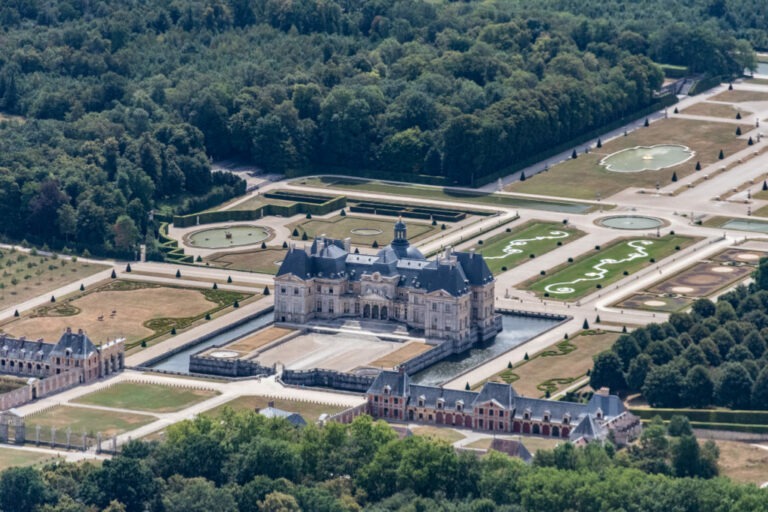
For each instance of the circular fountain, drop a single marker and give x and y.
(630, 222)
(227, 236)
(647, 158)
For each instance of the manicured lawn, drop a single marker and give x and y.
(382, 229)
(310, 411)
(558, 366)
(740, 96)
(82, 419)
(507, 250)
(532, 443)
(10, 457)
(603, 267)
(23, 276)
(705, 108)
(263, 261)
(584, 177)
(448, 195)
(146, 397)
(743, 462)
(448, 435)
(481, 444)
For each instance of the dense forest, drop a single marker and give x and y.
(114, 108)
(714, 355)
(247, 463)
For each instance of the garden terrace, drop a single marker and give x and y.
(263, 261)
(311, 411)
(137, 311)
(296, 197)
(605, 265)
(558, 366)
(507, 250)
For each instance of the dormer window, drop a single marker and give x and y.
(527, 414)
(459, 405)
(440, 403)
(599, 414)
(387, 389)
(566, 419)
(422, 399)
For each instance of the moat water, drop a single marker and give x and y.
(517, 330)
(180, 362)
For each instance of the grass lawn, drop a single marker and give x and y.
(310, 411)
(507, 250)
(443, 194)
(81, 419)
(706, 108)
(10, 457)
(448, 435)
(743, 462)
(558, 366)
(584, 177)
(146, 397)
(603, 267)
(402, 354)
(25, 276)
(740, 96)
(263, 261)
(122, 309)
(342, 227)
(481, 444)
(532, 443)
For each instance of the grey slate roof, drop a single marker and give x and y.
(512, 448)
(77, 344)
(504, 394)
(587, 429)
(27, 350)
(293, 417)
(328, 258)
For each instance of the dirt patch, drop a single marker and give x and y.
(111, 314)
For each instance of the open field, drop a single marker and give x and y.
(381, 229)
(401, 355)
(740, 96)
(10, 457)
(310, 411)
(263, 261)
(743, 462)
(121, 308)
(584, 177)
(558, 366)
(25, 276)
(447, 435)
(82, 419)
(507, 250)
(259, 339)
(706, 108)
(146, 397)
(603, 267)
(448, 195)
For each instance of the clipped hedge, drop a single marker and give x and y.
(713, 416)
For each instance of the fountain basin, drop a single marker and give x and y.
(647, 158)
(630, 222)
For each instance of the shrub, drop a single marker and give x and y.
(303, 237)
(646, 123)
(173, 331)
(285, 244)
(570, 259)
(266, 290)
(509, 230)
(309, 215)
(207, 316)
(442, 227)
(143, 343)
(653, 260)
(53, 299)
(236, 304)
(215, 286)
(531, 255)
(114, 274)
(295, 232)
(343, 212)
(543, 272)
(597, 247)
(503, 269)
(178, 273)
(375, 244)
(738, 131)
(16, 313)
(229, 279)
(479, 242)
(128, 267)
(698, 166)
(585, 325)
(574, 155)
(199, 259)
(82, 287)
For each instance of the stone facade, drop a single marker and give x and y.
(73, 353)
(498, 408)
(450, 297)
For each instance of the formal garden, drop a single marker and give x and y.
(703, 279)
(146, 397)
(137, 311)
(28, 274)
(364, 231)
(557, 367)
(447, 195)
(506, 250)
(604, 265)
(263, 261)
(705, 139)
